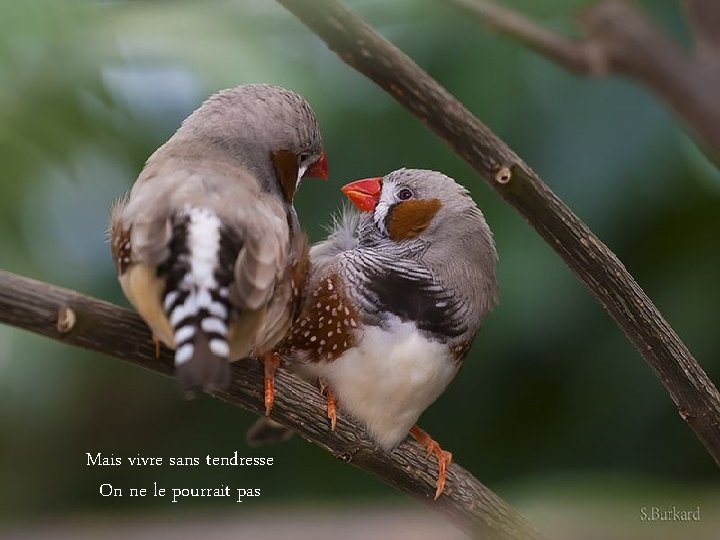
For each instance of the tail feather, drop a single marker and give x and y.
(202, 353)
(196, 301)
(203, 369)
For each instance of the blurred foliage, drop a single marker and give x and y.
(551, 389)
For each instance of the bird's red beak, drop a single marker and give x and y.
(364, 194)
(319, 169)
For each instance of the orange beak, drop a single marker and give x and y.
(319, 169)
(364, 194)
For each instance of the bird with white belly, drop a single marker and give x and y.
(394, 298)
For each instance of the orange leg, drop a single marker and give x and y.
(331, 404)
(432, 447)
(271, 361)
(156, 341)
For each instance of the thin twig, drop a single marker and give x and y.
(111, 330)
(621, 40)
(567, 52)
(358, 45)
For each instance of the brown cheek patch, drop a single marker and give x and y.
(408, 219)
(327, 325)
(286, 170)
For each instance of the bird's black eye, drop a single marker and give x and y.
(303, 157)
(404, 194)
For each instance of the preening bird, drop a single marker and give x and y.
(207, 244)
(394, 298)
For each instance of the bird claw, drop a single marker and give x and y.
(444, 458)
(271, 361)
(331, 410)
(331, 404)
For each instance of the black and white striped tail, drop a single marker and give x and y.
(198, 273)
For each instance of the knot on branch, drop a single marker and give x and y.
(503, 175)
(66, 319)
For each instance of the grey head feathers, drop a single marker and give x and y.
(245, 124)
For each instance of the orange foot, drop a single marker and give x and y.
(331, 404)
(432, 447)
(271, 361)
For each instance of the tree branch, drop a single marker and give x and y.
(76, 319)
(621, 40)
(704, 19)
(570, 53)
(358, 45)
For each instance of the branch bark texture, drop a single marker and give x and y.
(619, 39)
(80, 320)
(704, 19)
(695, 396)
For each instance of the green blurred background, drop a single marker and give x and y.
(554, 410)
